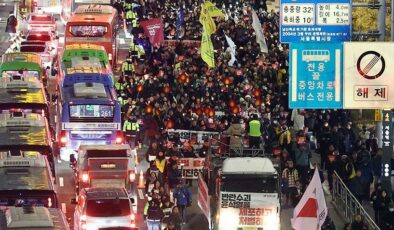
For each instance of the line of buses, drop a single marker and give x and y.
(87, 114)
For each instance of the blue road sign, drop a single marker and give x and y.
(315, 20)
(316, 75)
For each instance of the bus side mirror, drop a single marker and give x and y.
(132, 200)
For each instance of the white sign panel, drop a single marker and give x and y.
(90, 126)
(368, 75)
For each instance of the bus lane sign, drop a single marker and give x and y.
(315, 76)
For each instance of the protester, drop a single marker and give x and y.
(183, 198)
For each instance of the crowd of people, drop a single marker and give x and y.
(170, 87)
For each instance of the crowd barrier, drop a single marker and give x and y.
(345, 201)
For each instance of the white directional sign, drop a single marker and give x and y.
(368, 75)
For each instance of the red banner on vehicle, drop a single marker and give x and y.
(154, 29)
(203, 197)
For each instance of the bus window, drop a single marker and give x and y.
(88, 31)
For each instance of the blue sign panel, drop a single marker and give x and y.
(316, 75)
(315, 20)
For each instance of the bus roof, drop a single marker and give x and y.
(100, 14)
(21, 57)
(94, 9)
(28, 178)
(22, 97)
(92, 77)
(16, 65)
(84, 51)
(251, 165)
(24, 136)
(88, 96)
(46, 218)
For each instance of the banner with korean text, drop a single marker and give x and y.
(191, 167)
(368, 75)
(315, 75)
(250, 210)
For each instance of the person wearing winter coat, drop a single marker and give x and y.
(183, 198)
(357, 186)
(302, 156)
(236, 132)
(298, 120)
(153, 214)
(174, 174)
(12, 22)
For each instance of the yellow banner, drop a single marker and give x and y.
(378, 115)
(207, 48)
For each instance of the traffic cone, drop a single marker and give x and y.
(141, 180)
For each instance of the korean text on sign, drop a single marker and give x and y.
(370, 93)
(231, 200)
(191, 167)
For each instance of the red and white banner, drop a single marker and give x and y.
(203, 197)
(191, 167)
(311, 211)
(154, 29)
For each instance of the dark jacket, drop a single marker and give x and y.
(357, 186)
(182, 196)
(154, 212)
(12, 22)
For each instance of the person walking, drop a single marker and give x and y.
(153, 214)
(254, 128)
(131, 128)
(12, 23)
(183, 198)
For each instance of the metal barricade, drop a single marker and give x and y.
(347, 204)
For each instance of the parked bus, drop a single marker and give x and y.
(23, 92)
(25, 180)
(82, 56)
(94, 24)
(69, 6)
(88, 111)
(26, 64)
(26, 130)
(26, 162)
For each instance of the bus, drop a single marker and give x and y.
(94, 24)
(23, 92)
(69, 6)
(29, 64)
(81, 56)
(25, 167)
(316, 55)
(88, 112)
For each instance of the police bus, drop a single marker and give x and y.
(25, 171)
(23, 92)
(88, 111)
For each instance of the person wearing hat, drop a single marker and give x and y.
(183, 198)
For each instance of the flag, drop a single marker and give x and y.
(213, 11)
(232, 47)
(260, 39)
(311, 211)
(179, 22)
(207, 20)
(206, 47)
(154, 29)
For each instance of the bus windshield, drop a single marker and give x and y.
(33, 49)
(19, 198)
(21, 72)
(88, 30)
(91, 111)
(252, 184)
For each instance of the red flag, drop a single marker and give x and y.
(154, 29)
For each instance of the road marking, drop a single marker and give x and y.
(61, 182)
(141, 194)
(64, 209)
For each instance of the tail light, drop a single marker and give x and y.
(132, 175)
(119, 138)
(63, 139)
(85, 177)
